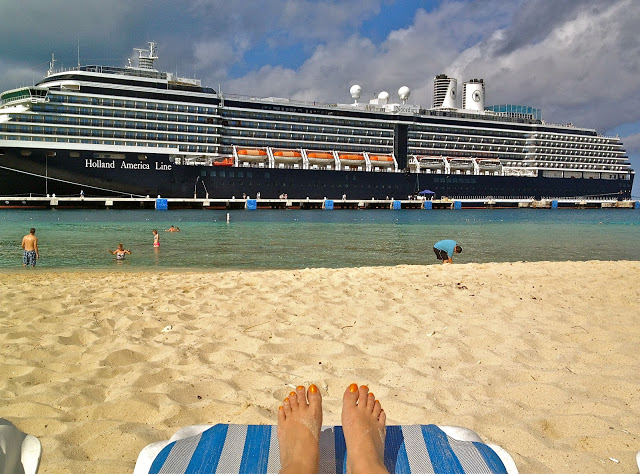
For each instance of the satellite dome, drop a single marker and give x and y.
(355, 91)
(404, 92)
(384, 95)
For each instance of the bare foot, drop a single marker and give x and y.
(363, 424)
(299, 425)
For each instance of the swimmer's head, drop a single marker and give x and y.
(32, 230)
(458, 249)
(120, 246)
(154, 231)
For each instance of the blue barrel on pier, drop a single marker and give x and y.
(554, 204)
(636, 205)
(252, 204)
(427, 205)
(457, 204)
(397, 205)
(162, 204)
(328, 204)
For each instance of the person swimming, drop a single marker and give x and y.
(363, 425)
(120, 252)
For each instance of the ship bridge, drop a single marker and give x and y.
(24, 96)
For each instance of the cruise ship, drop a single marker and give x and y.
(136, 131)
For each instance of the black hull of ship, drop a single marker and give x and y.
(96, 174)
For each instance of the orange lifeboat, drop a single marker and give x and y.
(318, 157)
(322, 156)
(251, 154)
(287, 153)
(287, 156)
(351, 160)
(225, 162)
(381, 160)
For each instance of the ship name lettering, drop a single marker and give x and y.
(162, 166)
(99, 164)
(134, 166)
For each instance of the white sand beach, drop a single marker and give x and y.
(540, 358)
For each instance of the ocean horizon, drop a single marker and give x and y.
(291, 239)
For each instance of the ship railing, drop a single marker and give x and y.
(306, 103)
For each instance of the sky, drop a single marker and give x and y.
(577, 60)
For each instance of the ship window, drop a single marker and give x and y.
(222, 173)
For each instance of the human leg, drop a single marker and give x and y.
(299, 424)
(363, 424)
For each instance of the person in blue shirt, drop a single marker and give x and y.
(445, 249)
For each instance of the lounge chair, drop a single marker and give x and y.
(19, 452)
(254, 449)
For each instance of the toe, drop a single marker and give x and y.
(286, 406)
(351, 394)
(382, 418)
(315, 399)
(377, 409)
(363, 395)
(301, 396)
(293, 401)
(281, 415)
(371, 401)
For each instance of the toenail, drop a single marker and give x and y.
(372, 395)
(299, 387)
(313, 389)
(353, 388)
(280, 407)
(286, 400)
(364, 387)
(292, 394)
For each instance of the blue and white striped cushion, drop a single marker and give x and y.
(253, 449)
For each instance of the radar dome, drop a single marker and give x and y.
(355, 91)
(404, 92)
(384, 95)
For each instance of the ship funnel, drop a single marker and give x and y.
(445, 92)
(473, 95)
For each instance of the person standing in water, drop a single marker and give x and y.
(30, 248)
(156, 238)
(120, 252)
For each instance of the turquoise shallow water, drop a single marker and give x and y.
(264, 239)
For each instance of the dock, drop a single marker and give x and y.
(159, 203)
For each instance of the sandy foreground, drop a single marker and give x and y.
(540, 358)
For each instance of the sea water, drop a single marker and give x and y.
(290, 239)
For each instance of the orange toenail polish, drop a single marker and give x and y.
(280, 407)
(372, 395)
(378, 401)
(313, 389)
(286, 400)
(299, 387)
(353, 388)
(292, 394)
(364, 386)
